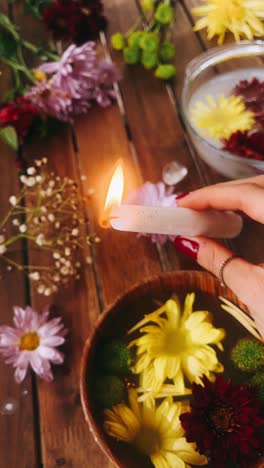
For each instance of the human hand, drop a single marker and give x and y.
(245, 279)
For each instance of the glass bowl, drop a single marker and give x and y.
(215, 73)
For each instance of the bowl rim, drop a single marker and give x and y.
(225, 154)
(223, 290)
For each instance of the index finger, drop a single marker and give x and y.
(247, 197)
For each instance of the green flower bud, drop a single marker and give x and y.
(167, 51)
(258, 381)
(165, 72)
(149, 42)
(109, 390)
(248, 354)
(147, 5)
(118, 41)
(131, 55)
(115, 358)
(164, 14)
(149, 60)
(134, 38)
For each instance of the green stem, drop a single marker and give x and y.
(135, 25)
(35, 50)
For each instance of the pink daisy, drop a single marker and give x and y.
(32, 342)
(153, 195)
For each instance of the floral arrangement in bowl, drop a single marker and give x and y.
(170, 386)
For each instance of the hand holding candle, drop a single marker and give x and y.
(164, 220)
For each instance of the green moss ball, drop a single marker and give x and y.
(109, 390)
(258, 381)
(115, 358)
(248, 354)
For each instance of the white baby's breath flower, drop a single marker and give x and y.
(44, 160)
(23, 179)
(22, 228)
(31, 170)
(47, 292)
(2, 249)
(56, 255)
(89, 260)
(39, 178)
(51, 217)
(51, 183)
(40, 288)
(57, 225)
(67, 251)
(35, 276)
(43, 209)
(15, 222)
(49, 192)
(40, 240)
(13, 200)
(75, 232)
(2, 239)
(30, 181)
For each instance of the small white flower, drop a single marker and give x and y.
(13, 200)
(37, 162)
(67, 251)
(43, 219)
(2, 249)
(83, 177)
(35, 276)
(51, 183)
(64, 271)
(97, 239)
(51, 217)
(47, 291)
(75, 232)
(49, 192)
(77, 264)
(36, 220)
(15, 222)
(31, 181)
(39, 178)
(42, 193)
(57, 225)
(40, 240)
(54, 288)
(22, 228)
(43, 209)
(2, 239)
(40, 288)
(31, 171)
(89, 260)
(56, 278)
(56, 255)
(44, 160)
(23, 179)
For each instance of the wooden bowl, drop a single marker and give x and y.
(127, 311)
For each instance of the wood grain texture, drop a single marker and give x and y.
(17, 431)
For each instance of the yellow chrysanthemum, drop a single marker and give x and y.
(219, 118)
(175, 345)
(155, 431)
(242, 17)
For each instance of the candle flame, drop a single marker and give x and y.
(114, 194)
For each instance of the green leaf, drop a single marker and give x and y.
(8, 45)
(36, 7)
(9, 136)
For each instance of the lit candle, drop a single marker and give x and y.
(165, 220)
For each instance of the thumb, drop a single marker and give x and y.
(245, 279)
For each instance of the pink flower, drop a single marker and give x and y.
(32, 342)
(49, 99)
(153, 195)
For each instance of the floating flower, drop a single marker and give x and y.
(155, 431)
(219, 118)
(174, 344)
(19, 114)
(153, 195)
(253, 94)
(224, 422)
(243, 18)
(32, 342)
(248, 355)
(78, 20)
(247, 145)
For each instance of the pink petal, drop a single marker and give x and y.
(52, 341)
(52, 354)
(20, 374)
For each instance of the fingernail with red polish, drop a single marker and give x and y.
(181, 195)
(187, 246)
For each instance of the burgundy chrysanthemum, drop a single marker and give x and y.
(19, 114)
(253, 95)
(225, 422)
(246, 144)
(76, 20)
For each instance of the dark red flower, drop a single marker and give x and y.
(79, 20)
(246, 144)
(253, 95)
(19, 114)
(224, 422)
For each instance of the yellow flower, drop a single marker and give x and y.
(219, 118)
(39, 75)
(176, 345)
(241, 17)
(155, 431)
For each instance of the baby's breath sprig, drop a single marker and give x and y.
(48, 214)
(148, 41)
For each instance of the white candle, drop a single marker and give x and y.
(175, 221)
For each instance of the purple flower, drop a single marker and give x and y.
(48, 98)
(153, 195)
(73, 83)
(32, 342)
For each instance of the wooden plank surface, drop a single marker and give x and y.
(17, 431)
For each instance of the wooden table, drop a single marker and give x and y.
(48, 428)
